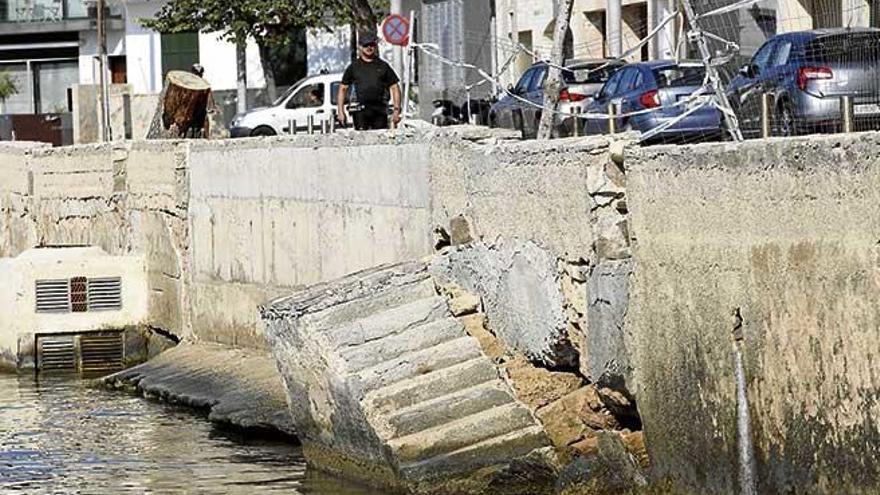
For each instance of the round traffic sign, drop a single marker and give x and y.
(395, 30)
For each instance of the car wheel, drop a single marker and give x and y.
(786, 125)
(263, 131)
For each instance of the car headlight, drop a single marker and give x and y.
(236, 121)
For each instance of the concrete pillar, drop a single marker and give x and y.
(614, 27)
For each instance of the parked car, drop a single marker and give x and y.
(313, 96)
(660, 86)
(580, 81)
(806, 73)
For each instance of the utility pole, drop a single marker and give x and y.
(614, 27)
(241, 63)
(397, 51)
(102, 66)
(697, 36)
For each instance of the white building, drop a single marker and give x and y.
(48, 45)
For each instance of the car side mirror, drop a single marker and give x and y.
(511, 89)
(748, 70)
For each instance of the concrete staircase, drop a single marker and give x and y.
(420, 384)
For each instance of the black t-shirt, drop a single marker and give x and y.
(371, 81)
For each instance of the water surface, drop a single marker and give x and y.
(59, 436)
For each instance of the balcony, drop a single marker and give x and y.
(26, 16)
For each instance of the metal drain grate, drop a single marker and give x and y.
(57, 353)
(87, 352)
(101, 352)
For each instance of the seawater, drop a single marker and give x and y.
(60, 436)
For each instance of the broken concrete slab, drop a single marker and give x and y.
(519, 284)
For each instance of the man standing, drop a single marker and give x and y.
(372, 79)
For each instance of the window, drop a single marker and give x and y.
(310, 96)
(179, 51)
(537, 82)
(782, 53)
(523, 84)
(349, 96)
(610, 88)
(676, 77)
(762, 58)
(629, 80)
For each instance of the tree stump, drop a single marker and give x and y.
(182, 109)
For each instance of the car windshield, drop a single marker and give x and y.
(286, 94)
(845, 47)
(676, 77)
(593, 74)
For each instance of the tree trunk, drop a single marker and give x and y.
(552, 86)
(241, 59)
(268, 71)
(182, 108)
(364, 16)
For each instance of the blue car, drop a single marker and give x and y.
(660, 90)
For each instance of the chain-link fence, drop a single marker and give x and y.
(690, 71)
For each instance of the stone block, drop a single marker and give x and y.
(608, 359)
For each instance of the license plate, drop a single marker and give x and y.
(697, 101)
(866, 108)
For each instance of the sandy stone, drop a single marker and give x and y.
(537, 387)
(635, 445)
(475, 326)
(570, 418)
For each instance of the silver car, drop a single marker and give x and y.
(582, 79)
(806, 74)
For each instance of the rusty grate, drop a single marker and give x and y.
(56, 353)
(101, 352)
(85, 352)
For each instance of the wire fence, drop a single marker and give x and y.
(713, 69)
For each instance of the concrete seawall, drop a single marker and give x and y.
(772, 246)
(602, 300)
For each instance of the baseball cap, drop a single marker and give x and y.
(368, 39)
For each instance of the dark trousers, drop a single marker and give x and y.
(371, 118)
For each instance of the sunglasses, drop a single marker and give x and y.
(370, 45)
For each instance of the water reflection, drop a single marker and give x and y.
(59, 436)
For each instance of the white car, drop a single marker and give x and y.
(314, 96)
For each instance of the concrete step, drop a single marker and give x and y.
(432, 385)
(462, 432)
(392, 321)
(492, 451)
(447, 408)
(392, 346)
(410, 365)
(378, 302)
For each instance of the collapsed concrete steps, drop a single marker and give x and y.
(381, 374)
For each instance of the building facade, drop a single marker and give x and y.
(49, 45)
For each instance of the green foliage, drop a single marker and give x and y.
(267, 21)
(8, 86)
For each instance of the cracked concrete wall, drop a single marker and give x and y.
(786, 234)
(564, 199)
(127, 198)
(268, 218)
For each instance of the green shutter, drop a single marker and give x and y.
(179, 51)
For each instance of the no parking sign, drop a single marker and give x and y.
(395, 30)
